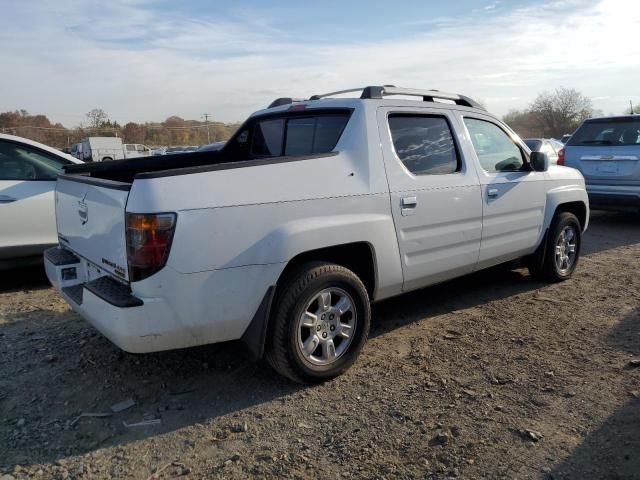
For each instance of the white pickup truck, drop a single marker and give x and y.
(310, 212)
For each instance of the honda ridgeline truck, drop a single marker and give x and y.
(313, 210)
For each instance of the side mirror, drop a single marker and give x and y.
(539, 161)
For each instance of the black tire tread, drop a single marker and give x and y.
(277, 351)
(548, 271)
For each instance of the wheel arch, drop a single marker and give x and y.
(359, 257)
(578, 208)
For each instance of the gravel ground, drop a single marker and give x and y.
(494, 375)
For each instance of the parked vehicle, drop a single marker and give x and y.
(76, 151)
(134, 150)
(28, 172)
(310, 212)
(174, 150)
(607, 152)
(191, 148)
(102, 149)
(212, 147)
(159, 151)
(549, 146)
(565, 138)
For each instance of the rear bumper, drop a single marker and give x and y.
(106, 304)
(169, 310)
(613, 196)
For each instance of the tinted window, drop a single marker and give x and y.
(19, 162)
(424, 144)
(298, 135)
(616, 132)
(306, 136)
(267, 137)
(495, 149)
(534, 145)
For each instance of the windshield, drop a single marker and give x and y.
(615, 132)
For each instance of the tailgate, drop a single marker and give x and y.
(609, 165)
(90, 214)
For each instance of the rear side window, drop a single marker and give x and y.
(297, 135)
(618, 132)
(424, 144)
(495, 149)
(21, 162)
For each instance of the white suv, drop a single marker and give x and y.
(313, 210)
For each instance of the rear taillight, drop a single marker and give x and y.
(148, 243)
(561, 156)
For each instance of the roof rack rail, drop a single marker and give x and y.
(379, 92)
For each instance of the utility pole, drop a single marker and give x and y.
(206, 121)
(630, 107)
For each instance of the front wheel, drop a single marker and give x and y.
(320, 323)
(562, 251)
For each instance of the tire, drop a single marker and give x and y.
(107, 159)
(314, 288)
(547, 263)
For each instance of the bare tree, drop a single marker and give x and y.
(560, 112)
(97, 117)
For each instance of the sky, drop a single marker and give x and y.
(142, 60)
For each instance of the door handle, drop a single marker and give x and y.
(409, 202)
(6, 199)
(492, 192)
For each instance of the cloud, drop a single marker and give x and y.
(140, 63)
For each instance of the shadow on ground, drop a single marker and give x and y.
(53, 367)
(609, 230)
(613, 450)
(31, 278)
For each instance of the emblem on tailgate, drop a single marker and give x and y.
(83, 210)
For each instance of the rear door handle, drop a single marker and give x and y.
(409, 202)
(6, 199)
(408, 206)
(492, 192)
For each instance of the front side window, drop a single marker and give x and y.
(424, 144)
(494, 148)
(20, 162)
(297, 135)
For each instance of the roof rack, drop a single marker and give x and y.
(379, 92)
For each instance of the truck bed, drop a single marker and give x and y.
(126, 170)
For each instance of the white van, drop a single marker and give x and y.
(102, 149)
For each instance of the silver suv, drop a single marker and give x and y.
(607, 153)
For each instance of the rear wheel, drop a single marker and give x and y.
(107, 159)
(558, 260)
(320, 323)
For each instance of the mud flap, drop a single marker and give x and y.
(256, 333)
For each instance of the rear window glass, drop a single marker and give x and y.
(607, 132)
(424, 144)
(534, 145)
(298, 135)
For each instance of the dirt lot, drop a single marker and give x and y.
(491, 376)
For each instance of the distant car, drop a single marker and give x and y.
(545, 145)
(565, 138)
(28, 172)
(607, 152)
(212, 147)
(159, 151)
(191, 148)
(174, 150)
